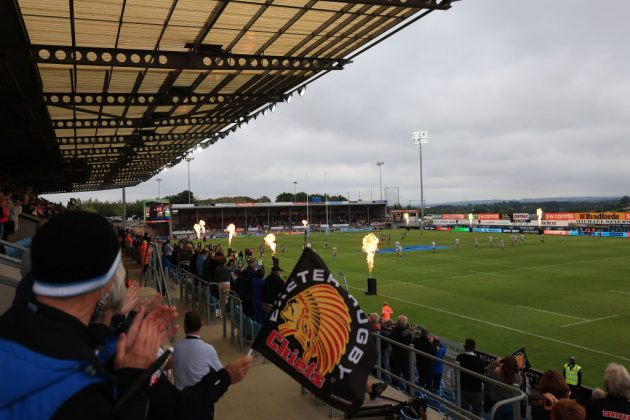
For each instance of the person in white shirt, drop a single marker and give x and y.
(398, 248)
(193, 358)
(433, 247)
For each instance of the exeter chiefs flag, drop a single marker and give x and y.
(317, 333)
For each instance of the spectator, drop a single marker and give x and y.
(504, 370)
(566, 409)
(615, 404)
(572, 373)
(223, 277)
(553, 383)
(244, 287)
(200, 263)
(472, 394)
(399, 357)
(598, 394)
(48, 352)
(193, 358)
(273, 286)
(168, 251)
(438, 367)
(386, 312)
(424, 343)
(258, 282)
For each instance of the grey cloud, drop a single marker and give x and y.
(521, 98)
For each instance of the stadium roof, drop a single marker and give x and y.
(104, 94)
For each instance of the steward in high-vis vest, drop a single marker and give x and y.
(572, 373)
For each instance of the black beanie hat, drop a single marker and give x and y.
(74, 253)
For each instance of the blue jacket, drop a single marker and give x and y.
(51, 366)
(38, 384)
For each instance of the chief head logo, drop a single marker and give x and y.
(319, 320)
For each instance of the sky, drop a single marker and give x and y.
(521, 99)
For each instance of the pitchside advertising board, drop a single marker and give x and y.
(318, 334)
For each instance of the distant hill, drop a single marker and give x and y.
(529, 200)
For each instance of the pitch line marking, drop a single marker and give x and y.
(553, 313)
(620, 291)
(486, 273)
(502, 326)
(523, 268)
(589, 320)
(403, 282)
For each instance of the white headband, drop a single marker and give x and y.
(78, 287)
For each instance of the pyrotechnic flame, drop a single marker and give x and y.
(270, 240)
(197, 230)
(406, 217)
(231, 230)
(470, 218)
(370, 246)
(305, 223)
(202, 225)
(539, 214)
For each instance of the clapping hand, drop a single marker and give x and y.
(137, 348)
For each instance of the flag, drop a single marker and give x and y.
(318, 335)
(521, 358)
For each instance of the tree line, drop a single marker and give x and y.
(115, 208)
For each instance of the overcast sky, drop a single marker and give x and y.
(521, 99)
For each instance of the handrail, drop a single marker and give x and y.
(12, 245)
(520, 397)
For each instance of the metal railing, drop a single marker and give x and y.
(452, 409)
(206, 297)
(13, 252)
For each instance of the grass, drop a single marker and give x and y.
(566, 297)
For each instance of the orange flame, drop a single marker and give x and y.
(305, 223)
(370, 246)
(202, 225)
(231, 230)
(539, 214)
(406, 217)
(470, 218)
(270, 240)
(197, 230)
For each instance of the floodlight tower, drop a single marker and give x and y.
(420, 138)
(159, 180)
(380, 178)
(188, 159)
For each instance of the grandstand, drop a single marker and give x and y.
(103, 95)
(259, 217)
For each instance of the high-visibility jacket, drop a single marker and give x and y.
(571, 374)
(145, 253)
(386, 312)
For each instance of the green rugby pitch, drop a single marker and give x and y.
(567, 297)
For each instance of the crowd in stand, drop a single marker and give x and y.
(93, 306)
(214, 223)
(557, 395)
(79, 342)
(15, 200)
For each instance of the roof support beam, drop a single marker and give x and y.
(409, 4)
(119, 57)
(174, 98)
(140, 122)
(135, 139)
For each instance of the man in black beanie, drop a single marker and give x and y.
(273, 286)
(48, 357)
